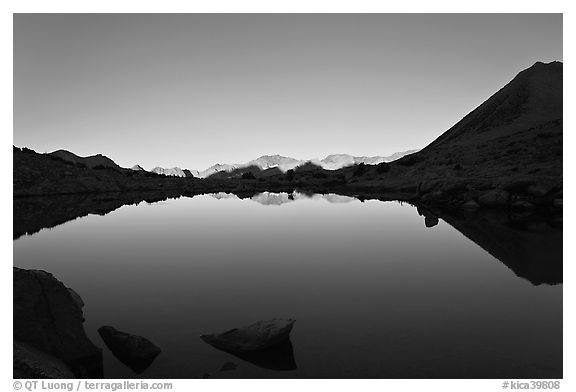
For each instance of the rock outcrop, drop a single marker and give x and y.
(31, 363)
(49, 320)
(509, 147)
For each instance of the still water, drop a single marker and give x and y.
(374, 292)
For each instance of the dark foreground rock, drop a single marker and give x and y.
(31, 363)
(76, 298)
(49, 320)
(265, 343)
(134, 351)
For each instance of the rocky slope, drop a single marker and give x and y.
(505, 153)
(45, 174)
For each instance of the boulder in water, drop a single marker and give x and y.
(430, 221)
(134, 351)
(258, 336)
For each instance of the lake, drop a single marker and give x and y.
(376, 289)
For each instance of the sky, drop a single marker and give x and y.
(192, 90)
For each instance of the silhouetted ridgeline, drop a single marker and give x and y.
(47, 174)
(505, 154)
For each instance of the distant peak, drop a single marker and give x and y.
(276, 156)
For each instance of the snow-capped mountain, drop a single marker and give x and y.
(331, 162)
(216, 169)
(265, 162)
(338, 161)
(270, 161)
(174, 171)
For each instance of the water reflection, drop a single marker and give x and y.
(279, 358)
(530, 246)
(379, 291)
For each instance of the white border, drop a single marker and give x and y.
(300, 6)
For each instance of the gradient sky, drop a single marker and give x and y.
(191, 90)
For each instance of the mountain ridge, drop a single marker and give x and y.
(283, 163)
(507, 153)
(91, 161)
(264, 162)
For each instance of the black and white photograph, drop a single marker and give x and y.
(287, 196)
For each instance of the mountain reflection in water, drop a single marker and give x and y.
(530, 247)
(380, 289)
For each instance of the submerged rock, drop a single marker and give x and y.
(134, 351)
(47, 318)
(258, 336)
